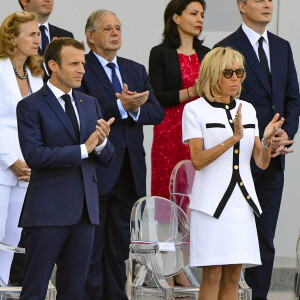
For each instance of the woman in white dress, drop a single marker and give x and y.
(20, 75)
(222, 134)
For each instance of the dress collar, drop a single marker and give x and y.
(230, 105)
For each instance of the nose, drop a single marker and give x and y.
(81, 69)
(37, 39)
(200, 19)
(114, 31)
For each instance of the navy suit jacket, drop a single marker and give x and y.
(283, 95)
(60, 180)
(125, 133)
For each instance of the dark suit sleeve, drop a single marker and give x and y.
(292, 98)
(108, 152)
(152, 112)
(35, 153)
(157, 66)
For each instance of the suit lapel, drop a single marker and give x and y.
(125, 73)
(61, 114)
(82, 116)
(275, 58)
(251, 59)
(99, 72)
(35, 82)
(52, 32)
(11, 79)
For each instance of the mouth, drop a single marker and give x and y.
(199, 27)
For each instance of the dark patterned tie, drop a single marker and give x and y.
(263, 59)
(114, 78)
(71, 114)
(45, 39)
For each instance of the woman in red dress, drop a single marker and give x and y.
(173, 68)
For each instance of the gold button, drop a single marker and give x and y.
(236, 151)
(236, 167)
(230, 121)
(241, 183)
(248, 197)
(226, 106)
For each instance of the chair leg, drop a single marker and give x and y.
(190, 277)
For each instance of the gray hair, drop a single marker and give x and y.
(244, 1)
(92, 21)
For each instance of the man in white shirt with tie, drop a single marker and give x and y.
(271, 85)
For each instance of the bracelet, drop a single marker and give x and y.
(222, 144)
(263, 144)
(187, 93)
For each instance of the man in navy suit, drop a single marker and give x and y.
(43, 9)
(123, 91)
(271, 85)
(62, 137)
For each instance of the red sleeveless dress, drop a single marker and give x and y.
(167, 147)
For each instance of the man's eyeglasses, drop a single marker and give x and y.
(228, 73)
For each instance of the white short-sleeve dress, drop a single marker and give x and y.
(223, 200)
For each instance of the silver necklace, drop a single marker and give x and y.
(188, 55)
(18, 75)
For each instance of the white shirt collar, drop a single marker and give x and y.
(104, 62)
(56, 91)
(254, 36)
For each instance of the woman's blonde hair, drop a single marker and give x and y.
(9, 30)
(211, 70)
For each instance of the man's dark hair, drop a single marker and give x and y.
(171, 34)
(53, 50)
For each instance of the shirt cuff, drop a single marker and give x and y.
(84, 152)
(134, 116)
(122, 111)
(100, 147)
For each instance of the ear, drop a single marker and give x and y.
(90, 36)
(53, 66)
(242, 7)
(24, 3)
(176, 19)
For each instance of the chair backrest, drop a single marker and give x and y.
(5, 247)
(181, 183)
(156, 220)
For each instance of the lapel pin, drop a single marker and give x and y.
(81, 100)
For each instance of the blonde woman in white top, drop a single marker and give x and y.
(20, 75)
(222, 134)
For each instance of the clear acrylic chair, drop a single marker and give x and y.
(180, 187)
(13, 292)
(160, 246)
(297, 275)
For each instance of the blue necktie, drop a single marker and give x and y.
(45, 40)
(114, 78)
(70, 111)
(263, 59)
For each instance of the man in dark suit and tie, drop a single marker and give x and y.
(43, 9)
(271, 85)
(123, 91)
(62, 137)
